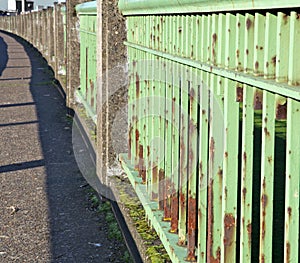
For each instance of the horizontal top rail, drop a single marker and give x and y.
(88, 8)
(141, 7)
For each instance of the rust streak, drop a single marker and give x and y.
(248, 23)
(289, 212)
(249, 231)
(192, 215)
(258, 100)
(267, 133)
(137, 138)
(129, 142)
(281, 112)
(288, 252)
(244, 194)
(161, 190)
(174, 212)
(137, 85)
(229, 235)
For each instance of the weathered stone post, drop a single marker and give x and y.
(111, 84)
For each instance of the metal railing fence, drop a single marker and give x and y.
(214, 110)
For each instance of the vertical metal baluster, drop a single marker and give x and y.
(203, 165)
(249, 43)
(175, 128)
(283, 42)
(259, 41)
(247, 173)
(270, 46)
(240, 42)
(291, 236)
(192, 146)
(267, 177)
(294, 62)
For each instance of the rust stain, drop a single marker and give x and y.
(264, 200)
(239, 24)
(143, 175)
(173, 104)
(129, 142)
(245, 157)
(273, 59)
(137, 138)
(288, 251)
(244, 193)
(174, 212)
(214, 38)
(220, 173)
(229, 235)
(258, 100)
(192, 226)
(217, 259)
(137, 85)
(289, 212)
(247, 51)
(267, 133)
(256, 65)
(281, 112)
(239, 94)
(248, 23)
(210, 221)
(148, 150)
(161, 189)
(142, 168)
(249, 231)
(267, 64)
(262, 258)
(192, 94)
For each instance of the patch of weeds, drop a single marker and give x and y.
(155, 251)
(127, 258)
(114, 232)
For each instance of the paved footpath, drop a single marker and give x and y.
(44, 211)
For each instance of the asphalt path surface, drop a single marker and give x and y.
(44, 210)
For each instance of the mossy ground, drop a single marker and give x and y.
(155, 251)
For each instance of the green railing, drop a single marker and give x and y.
(87, 92)
(213, 114)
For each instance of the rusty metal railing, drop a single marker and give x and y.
(214, 110)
